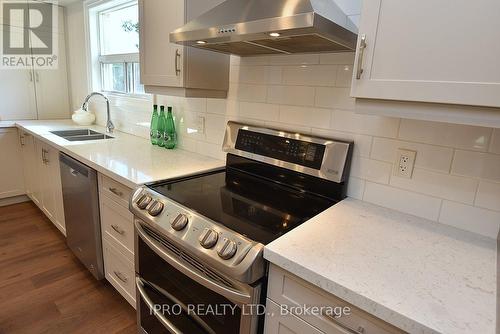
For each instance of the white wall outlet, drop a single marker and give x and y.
(200, 124)
(405, 163)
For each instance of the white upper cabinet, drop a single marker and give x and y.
(428, 51)
(172, 69)
(161, 62)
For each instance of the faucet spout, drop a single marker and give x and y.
(109, 124)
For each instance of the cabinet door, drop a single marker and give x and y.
(420, 50)
(286, 324)
(52, 86)
(37, 170)
(56, 188)
(28, 151)
(161, 61)
(11, 175)
(17, 90)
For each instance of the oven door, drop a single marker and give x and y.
(177, 295)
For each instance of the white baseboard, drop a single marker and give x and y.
(14, 200)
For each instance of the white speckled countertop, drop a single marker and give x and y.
(418, 275)
(128, 159)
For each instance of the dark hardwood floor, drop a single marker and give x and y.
(45, 289)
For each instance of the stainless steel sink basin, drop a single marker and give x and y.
(80, 135)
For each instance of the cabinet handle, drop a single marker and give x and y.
(118, 229)
(21, 139)
(348, 329)
(37, 77)
(177, 58)
(44, 159)
(116, 192)
(120, 276)
(362, 47)
(31, 76)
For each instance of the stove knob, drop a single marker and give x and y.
(208, 238)
(180, 222)
(227, 249)
(155, 208)
(143, 202)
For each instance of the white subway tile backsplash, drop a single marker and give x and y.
(344, 76)
(440, 185)
(215, 127)
(309, 117)
(371, 170)
(247, 92)
(454, 135)
(336, 98)
(337, 58)
(310, 75)
(274, 75)
(366, 124)
(476, 164)
(291, 95)
(210, 150)
(495, 142)
(488, 195)
(251, 75)
(288, 127)
(356, 188)
(262, 111)
(217, 106)
(295, 59)
(428, 156)
(469, 218)
(362, 143)
(402, 200)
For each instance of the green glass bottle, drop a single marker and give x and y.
(153, 130)
(162, 121)
(170, 138)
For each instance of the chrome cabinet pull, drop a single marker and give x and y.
(116, 191)
(120, 276)
(31, 76)
(37, 77)
(21, 139)
(362, 47)
(348, 329)
(177, 58)
(44, 157)
(118, 229)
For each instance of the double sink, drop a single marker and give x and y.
(81, 135)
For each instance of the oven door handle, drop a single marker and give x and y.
(164, 321)
(139, 282)
(238, 297)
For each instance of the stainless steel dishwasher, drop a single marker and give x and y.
(81, 212)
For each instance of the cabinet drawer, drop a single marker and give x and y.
(119, 272)
(285, 324)
(117, 225)
(287, 289)
(114, 190)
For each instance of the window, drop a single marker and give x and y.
(118, 48)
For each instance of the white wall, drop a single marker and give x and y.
(457, 175)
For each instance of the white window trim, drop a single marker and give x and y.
(92, 48)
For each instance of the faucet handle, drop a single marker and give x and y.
(110, 126)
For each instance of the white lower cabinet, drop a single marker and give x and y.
(117, 229)
(42, 177)
(119, 271)
(11, 176)
(331, 316)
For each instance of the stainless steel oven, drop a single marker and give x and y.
(176, 293)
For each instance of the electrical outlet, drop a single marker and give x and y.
(405, 163)
(200, 120)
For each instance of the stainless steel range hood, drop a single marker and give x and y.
(257, 27)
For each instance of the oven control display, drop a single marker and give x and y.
(286, 149)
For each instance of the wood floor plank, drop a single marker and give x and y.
(43, 286)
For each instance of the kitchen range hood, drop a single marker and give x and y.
(258, 27)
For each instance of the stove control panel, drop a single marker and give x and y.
(196, 233)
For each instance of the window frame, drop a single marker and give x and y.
(94, 40)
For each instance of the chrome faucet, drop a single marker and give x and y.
(109, 125)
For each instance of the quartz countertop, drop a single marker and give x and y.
(7, 124)
(128, 159)
(419, 275)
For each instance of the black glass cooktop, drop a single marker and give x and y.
(260, 209)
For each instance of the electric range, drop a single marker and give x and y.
(208, 231)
